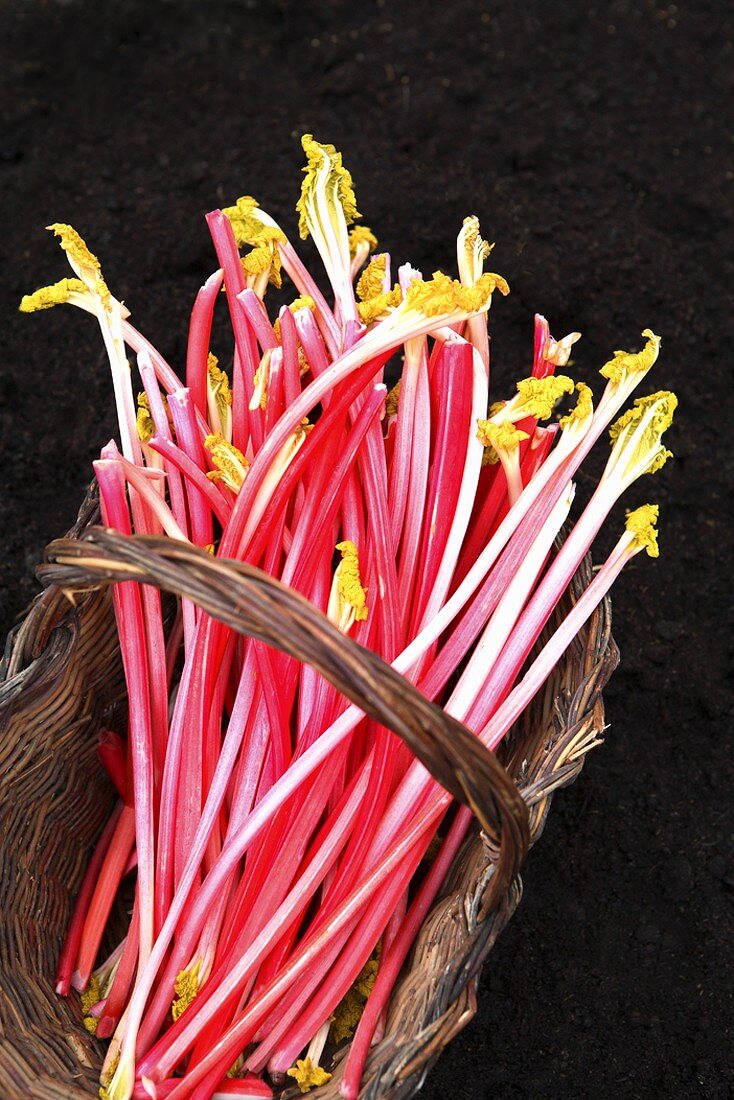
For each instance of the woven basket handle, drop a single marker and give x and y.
(254, 603)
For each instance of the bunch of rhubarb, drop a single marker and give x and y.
(281, 847)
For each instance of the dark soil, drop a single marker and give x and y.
(595, 144)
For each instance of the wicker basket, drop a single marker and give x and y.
(61, 682)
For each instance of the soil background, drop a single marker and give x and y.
(595, 143)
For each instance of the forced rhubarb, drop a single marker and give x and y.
(357, 447)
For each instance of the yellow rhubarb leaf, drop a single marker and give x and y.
(307, 1075)
(186, 987)
(231, 466)
(624, 363)
(642, 525)
(48, 296)
(361, 235)
(326, 184)
(582, 409)
(503, 436)
(539, 396)
(82, 259)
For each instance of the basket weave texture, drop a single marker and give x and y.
(61, 682)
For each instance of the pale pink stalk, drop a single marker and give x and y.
(514, 704)
(170, 780)
(143, 481)
(276, 392)
(311, 342)
(544, 600)
(420, 456)
(105, 891)
(249, 713)
(111, 752)
(119, 990)
(177, 492)
(70, 950)
(380, 546)
(258, 319)
(307, 287)
(469, 477)
(200, 332)
(111, 327)
(503, 621)
(129, 613)
(215, 720)
(194, 475)
(322, 502)
(468, 626)
(291, 363)
(495, 504)
(245, 357)
(190, 440)
(147, 505)
(165, 374)
(416, 357)
(162, 428)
